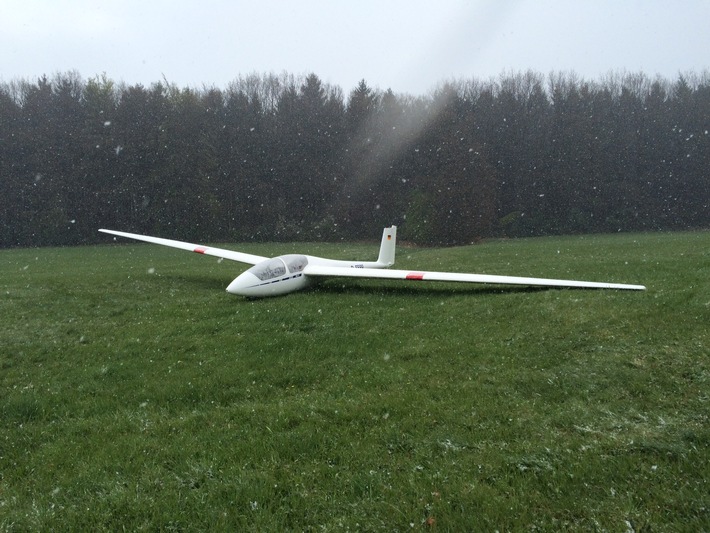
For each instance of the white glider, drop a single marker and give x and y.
(272, 276)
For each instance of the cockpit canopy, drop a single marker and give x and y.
(279, 266)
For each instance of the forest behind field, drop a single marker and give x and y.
(287, 157)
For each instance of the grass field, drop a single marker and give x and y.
(136, 393)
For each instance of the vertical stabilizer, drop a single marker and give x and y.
(389, 239)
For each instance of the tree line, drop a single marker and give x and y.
(286, 157)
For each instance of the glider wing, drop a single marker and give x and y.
(197, 248)
(327, 271)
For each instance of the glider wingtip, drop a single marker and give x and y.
(637, 287)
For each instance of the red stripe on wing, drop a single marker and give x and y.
(200, 250)
(415, 275)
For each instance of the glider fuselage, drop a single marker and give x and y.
(284, 274)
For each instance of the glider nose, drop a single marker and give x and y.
(242, 283)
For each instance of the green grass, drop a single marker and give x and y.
(136, 393)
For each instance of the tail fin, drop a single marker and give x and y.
(389, 240)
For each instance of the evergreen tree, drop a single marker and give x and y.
(285, 157)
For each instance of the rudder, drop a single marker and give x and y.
(387, 246)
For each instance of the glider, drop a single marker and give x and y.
(273, 276)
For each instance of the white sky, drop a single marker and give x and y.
(406, 45)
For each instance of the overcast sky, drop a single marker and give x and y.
(409, 46)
